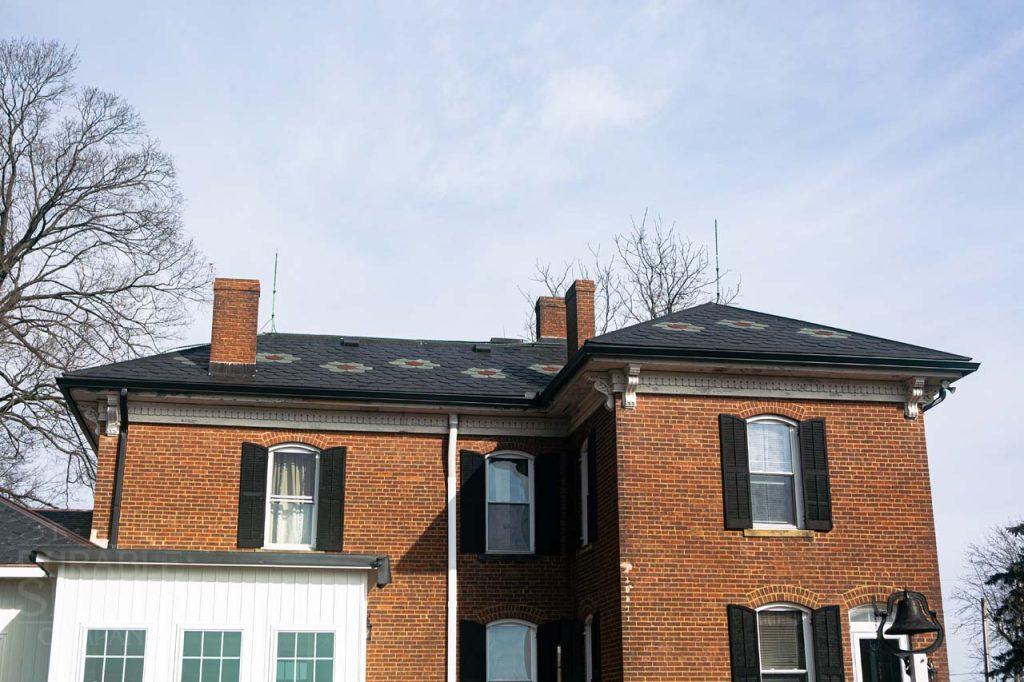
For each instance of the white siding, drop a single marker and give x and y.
(166, 600)
(26, 613)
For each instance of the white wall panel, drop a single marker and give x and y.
(26, 612)
(166, 600)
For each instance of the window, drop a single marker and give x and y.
(114, 655)
(305, 657)
(584, 463)
(210, 656)
(292, 499)
(588, 649)
(774, 472)
(510, 503)
(870, 664)
(510, 651)
(784, 635)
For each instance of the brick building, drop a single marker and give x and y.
(717, 494)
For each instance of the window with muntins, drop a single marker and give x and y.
(114, 655)
(305, 657)
(774, 473)
(783, 634)
(211, 656)
(509, 484)
(293, 473)
(511, 647)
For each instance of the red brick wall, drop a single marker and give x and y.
(181, 491)
(685, 568)
(236, 304)
(579, 314)
(550, 312)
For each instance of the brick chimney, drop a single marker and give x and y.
(236, 304)
(550, 318)
(579, 315)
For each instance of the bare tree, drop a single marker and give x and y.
(94, 264)
(997, 554)
(651, 272)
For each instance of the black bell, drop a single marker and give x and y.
(912, 616)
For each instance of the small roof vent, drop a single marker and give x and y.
(350, 342)
(504, 340)
(482, 347)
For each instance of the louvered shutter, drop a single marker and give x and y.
(595, 647)
(330, 518)
(732, 433)
(471, 503)
(827, 633)
(574, 502)
(817, 492)
(252, 496)
(549, 637)
(547, 488)
(472, 651)
(592, 488)
(744, 657)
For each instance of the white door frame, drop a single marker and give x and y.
(861, 630)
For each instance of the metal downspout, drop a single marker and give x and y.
(122, 446)
(453, 587)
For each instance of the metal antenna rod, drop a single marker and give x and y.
(718, 277)
(273, 302)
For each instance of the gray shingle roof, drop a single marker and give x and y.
(498, 369)
(713, 327)
(22, 531)
(78, 521)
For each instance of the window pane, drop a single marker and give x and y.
(291, 523)
(286, 671)
(770, 447)
(133, 670)
(325, 645)
(285, 644)
(508, 480)
(94, 642)
(294, 473)
(789, 677)
(509, 653)
(115, 642)
(190, 670)
(211, 670)
(892, 669)
(232, 644)
(508, 527)
(113, 670)
(771, 499)
(303, 671)
(304, 644)
(136, 642)
(193, 645)
(229, 671)
(781, 635)
(211, 643)
(93, 670)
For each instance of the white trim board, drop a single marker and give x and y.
(771, 387)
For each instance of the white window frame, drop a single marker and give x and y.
(509, 454)
(584, 464)
(268, 517)
(588, 648)
(861, 630)
(243, 670)
(83, 635)
(798, 497)
(808, 639)
(533, 644)
(272, 646)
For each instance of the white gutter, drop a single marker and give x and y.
(22, 572)
(453, 586)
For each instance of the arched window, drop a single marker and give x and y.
(869, 663)
(510, 523)
(511, 651)
(775, 495)
(293, 474)
(584, 476)
(784, 639)
(588, 649)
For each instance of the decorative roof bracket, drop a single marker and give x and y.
(915, 396)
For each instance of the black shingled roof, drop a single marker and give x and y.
(508, 372)
(360, 367)
(22, 531)
(78, 521)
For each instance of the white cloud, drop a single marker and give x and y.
(586, 100)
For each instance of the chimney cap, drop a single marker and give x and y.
(233, 284)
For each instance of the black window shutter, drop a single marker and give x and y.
(472, 506)
(575, 501)
(472, 651)
(814, 470)
(744, 656)
(547, 488)
(595, 646)
(549, 637)
(827, 633)
(330, 518)
(252, 496)
(732, 434)
(592, 488)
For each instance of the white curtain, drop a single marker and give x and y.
(294, 477)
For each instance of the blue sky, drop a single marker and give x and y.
(410, 162)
